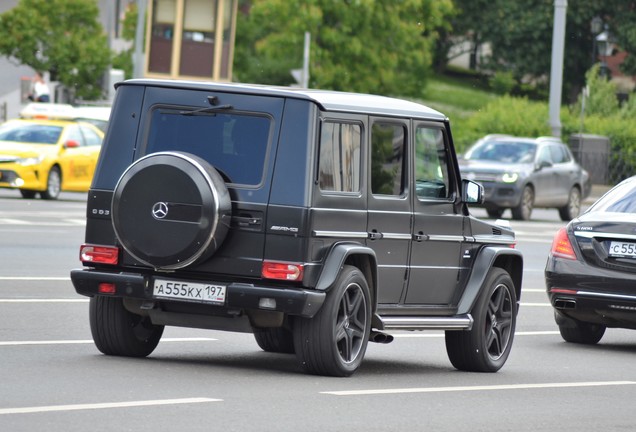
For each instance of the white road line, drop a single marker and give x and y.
(537, 290)
(35, 278)
(38, 300)
(89, 341)
(40, 409)
(536, 304)
(478, 388)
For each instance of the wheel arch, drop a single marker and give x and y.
(353, 254)
(508, 259)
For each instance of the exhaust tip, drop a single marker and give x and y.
(380, 337)
(565, 304)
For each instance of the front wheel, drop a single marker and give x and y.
(334, 341)
(116, 331)
(524, 210)
(486, 347)
(275, 340)
(53, 184)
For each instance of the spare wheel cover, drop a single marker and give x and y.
(170, 209)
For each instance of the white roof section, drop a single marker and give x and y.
(64, 111)
(328, 100)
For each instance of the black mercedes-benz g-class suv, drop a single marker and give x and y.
(316, 220)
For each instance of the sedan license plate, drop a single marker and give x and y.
(622, 249)
(193, 291)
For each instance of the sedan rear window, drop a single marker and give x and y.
(621, 199)
(235, 144)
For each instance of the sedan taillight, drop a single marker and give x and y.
(561, 246)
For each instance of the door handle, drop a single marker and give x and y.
(420, 236)
(375, 235)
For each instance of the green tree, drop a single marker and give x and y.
(63, 37)
(356, 45)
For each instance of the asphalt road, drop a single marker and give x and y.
(53, 378)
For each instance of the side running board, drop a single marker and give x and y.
(463, 322)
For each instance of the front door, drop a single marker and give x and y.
(437, 226)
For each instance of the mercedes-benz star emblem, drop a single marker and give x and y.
(160, 210)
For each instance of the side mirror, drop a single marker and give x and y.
(544, 164)
(472, 192)
(71, 144)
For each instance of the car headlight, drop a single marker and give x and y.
(509, 177)
(27, 161)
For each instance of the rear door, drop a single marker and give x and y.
(389, 205)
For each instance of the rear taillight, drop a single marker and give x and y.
(561, 246)
(99, 254)
(282, 271)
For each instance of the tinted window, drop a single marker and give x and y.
(621, 199)
(431, 164)
(339, 161)
(92, 139)
(234, 144)
(387, 159)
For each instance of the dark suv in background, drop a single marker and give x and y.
(316, 220)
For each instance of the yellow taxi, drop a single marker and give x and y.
(46, 156)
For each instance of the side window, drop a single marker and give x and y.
(559, 154)
(431, 164)
(388, 143)
(92, 139)
(339, 160)
(544, 155)
(73, 133)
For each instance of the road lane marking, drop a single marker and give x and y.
(50, 408)
(477, 388)
(35, 278)
(38, 300)
(90, 341)
(536, 304)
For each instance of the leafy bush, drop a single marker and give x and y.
(502, 82)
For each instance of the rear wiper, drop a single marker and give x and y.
(206, 110)
(212, 100)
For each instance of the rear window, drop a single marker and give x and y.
(235, 144)
(621, 199)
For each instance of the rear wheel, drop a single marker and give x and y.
(524, 210)
(53, 184)
(494, 213)
(275, 340)
(581, 332)
(116, 331)
(573, 207)
(334, 341)
(485, 348)
(28, 194)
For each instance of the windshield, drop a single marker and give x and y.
(30, 133)
(236, 145)
(502, 151)
(621, 199)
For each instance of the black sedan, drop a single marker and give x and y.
(525, 173)
(591, 271)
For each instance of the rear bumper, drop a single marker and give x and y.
(599, 296)
(291, 301)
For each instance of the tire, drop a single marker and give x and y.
(486, 347)
(53, 184)
(524, 210)
(573, 207)
(275, 340)
(171, 210)
(27, 193)
(118, 332)
(582, 333)
(494, 213)
(334, 341)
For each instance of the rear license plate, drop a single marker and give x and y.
(193, 291)
(622, 249)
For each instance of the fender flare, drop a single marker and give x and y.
(489, 257)
(336, 259)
